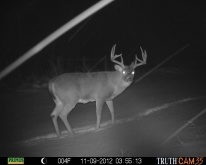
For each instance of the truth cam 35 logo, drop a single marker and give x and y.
(181, 161)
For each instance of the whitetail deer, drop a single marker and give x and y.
(71, 88)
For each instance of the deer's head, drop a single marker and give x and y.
(127, 72)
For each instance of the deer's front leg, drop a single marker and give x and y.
(111, 108)
(99, 105)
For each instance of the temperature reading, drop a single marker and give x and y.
(63, 160)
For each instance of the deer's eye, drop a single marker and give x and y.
(132, 72)
(124, 72)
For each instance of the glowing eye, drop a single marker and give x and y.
(124, 72)
(132, 72)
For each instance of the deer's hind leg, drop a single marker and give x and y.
(54, 115)
(63, 115)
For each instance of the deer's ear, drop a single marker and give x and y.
(118, 68)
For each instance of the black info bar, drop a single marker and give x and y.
(104, 160)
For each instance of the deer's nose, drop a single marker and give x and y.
(130, 78)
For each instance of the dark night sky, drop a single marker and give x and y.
(160, 27)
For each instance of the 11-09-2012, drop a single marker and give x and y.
(111, 160)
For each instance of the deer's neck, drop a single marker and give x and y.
(119, 85)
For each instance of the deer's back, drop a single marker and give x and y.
(82, 87)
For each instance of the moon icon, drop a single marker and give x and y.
(43, 160)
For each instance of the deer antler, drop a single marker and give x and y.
(115, 56)
(144, 58)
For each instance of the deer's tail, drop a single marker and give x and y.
(51, 89)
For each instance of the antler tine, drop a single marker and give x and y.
(144, 54)
(113, 57)
(144, 58)
(112, 51)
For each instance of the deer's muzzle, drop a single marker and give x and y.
(129, 79)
